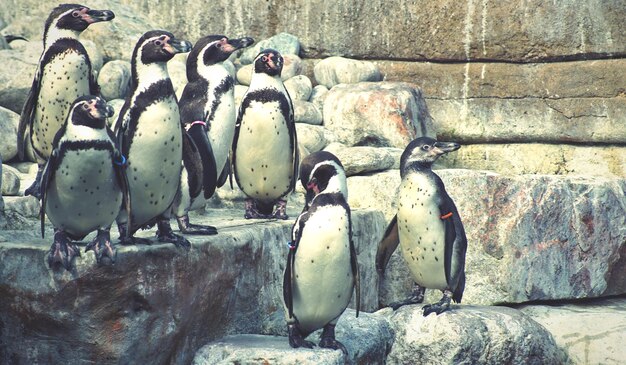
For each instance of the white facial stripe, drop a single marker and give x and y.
(336, 183)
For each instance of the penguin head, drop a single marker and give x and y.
(269, 61)
(75, 17)
(322, 172)
(424, 151)
(90, 111)
(158, 46)
(213, 49)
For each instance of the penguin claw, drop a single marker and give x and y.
(281, 210)
(437, 308)
(254, 214)
(332, 343)
(196, 229)
(177, 240)
(102, 247)
(62, 251)
(296, 339)
(407, 301)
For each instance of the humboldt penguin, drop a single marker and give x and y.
(427, 226)
(151, 138)
(208, 112)
(83, 183)
(63, 74)
(322, 269)
(265, 148)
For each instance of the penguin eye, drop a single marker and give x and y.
(75, 13)
(425, 147)
(85, 106)
(264, 58)
(158, 42)
(219, 45)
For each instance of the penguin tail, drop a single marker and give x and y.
(457, 295)
(265, 208)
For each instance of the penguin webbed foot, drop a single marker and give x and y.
(196, 229)
(165, 233)
(130, 240)
(328, 340)
(281, 210)
(439, 307)
(416, 297)
(296, 339)
(63, 251)
(253, 213)
(34, 189)
(103, 247)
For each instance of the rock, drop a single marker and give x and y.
(470, 335)
(244, 74)
(305, 112)
(178, 74)
(311, 137)
(318, 95)
(3, 220)
(16, 75)
(10, 181)
(530, 237)
(559, 159)
(117, 38)
(603, 320)
(375, 191)
(299, 87)
(117, 105)
(95, 56)
(25, 206)
(157, 304)
(338, 70)
(24, 167)
(284, 43)
(291, 68)
(114, 80)
(9, 122)
(240, 91)
(367, 339)
(363, 159)
(377, 114)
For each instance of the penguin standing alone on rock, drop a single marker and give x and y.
(427, 227)
(151, 137)
(63, 74)
(265, 147)
(322, 269)
(83, 182)
(208, 112)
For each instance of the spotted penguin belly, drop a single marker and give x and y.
(264, 164)
(63, 80)
(155, 161)
(223, 130)
(322, 272)
(421, 231)
(84, 194)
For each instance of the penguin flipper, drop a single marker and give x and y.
(455, 247)
(198, 135)
(119, 167)
(28, 113)
(46, 178)
(291, 125)
(387, 245)
(355, 274)
(296, 234)
(225, 174)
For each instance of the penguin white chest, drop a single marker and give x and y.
(422, 231)
(264, 157)
(63, 79)
(322, 272)
(84, 194)
(154, 160)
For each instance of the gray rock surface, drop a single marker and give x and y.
(363, 159)
(284, 43)
(299, 87)
(306, 112)
(157, 304)
(114, 79)
(389, 114)
(311, 137)
(10, 181)
(23, 206)
(318, 95)
(332, 71)
(367, 338)
(591, 332)
(3, 221)
(470, 335)
(16, 74)
(117, 105)
(9, 122)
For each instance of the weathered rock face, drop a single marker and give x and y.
(470, 335)
(114, 80)
(154, 297)
(376, 113)
(367, 338)
(284, 43)
(311, 137)
(305, 112)
(332, 71)
(10, 181)
(590, 332)
(19, 66)
(529, 237)
(299, 87)
(363, 159)
(9, 122)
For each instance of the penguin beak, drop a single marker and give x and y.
(94, 16)
(444, 147)
(312, 186)
(175, 46)
(108, 111)
(236, 44)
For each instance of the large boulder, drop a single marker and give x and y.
(157, 304)
(17, 73)
(362, 159)
(10, 181)
(470, 335)
(604, 324)
(377, 113)
(338, 70)
(114, 79)
(284, 43)
(9, 122)
(367, 338)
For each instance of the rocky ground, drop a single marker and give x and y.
(539, 182)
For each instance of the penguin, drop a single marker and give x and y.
(265, 147)
(151, 137)
(322, 269)
(63, 74)
(428, 227)
(208, 112)
(307, 165)
(83, 183)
